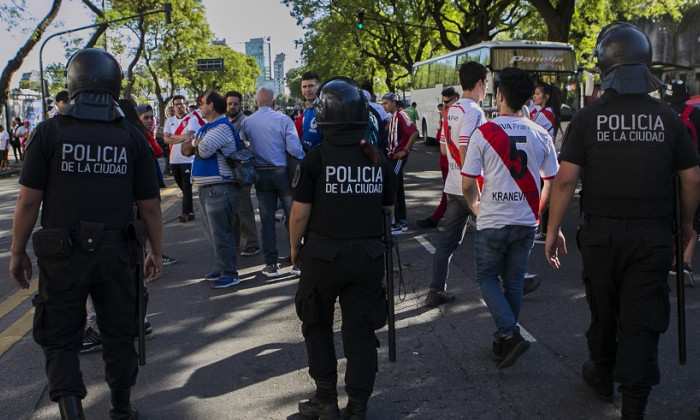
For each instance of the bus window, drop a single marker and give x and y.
(450, 75)
(432, 75)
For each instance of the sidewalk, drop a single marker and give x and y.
(14, 168)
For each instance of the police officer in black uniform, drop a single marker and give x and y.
(340, 192)
(87, 167)
(628, 146)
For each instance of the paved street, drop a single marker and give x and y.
(237, 353)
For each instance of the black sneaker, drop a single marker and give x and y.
(168, 261)
(497, 351)
(315, 409)
(428, 222)
(250, 251)
(92, 341)
(355, 410)
(436, 298)
(513, 347)
(532, 282)
(270, 271)
(603, 389)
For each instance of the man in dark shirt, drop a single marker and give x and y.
(87, 167)
(630, 146)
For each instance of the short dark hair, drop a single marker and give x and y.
(516, 86)
(176, 97)
(310, 75)
(235, 93)
(470, 73)
(214, 97)
(414, 104)
(63, 96)
(449, 92)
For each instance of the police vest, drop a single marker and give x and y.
(629, 157)
(348, 195)
(91, 175)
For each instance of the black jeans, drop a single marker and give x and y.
(625, 271)
(353, 272)
(108, 275)
(181, 173)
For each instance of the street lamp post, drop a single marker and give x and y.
(167, 8)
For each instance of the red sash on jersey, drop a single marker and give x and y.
(685, 116)
(515, 160)
(452, 148)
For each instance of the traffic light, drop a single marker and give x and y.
(360, 18)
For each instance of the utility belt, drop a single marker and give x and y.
(57, 243)
(612, 220)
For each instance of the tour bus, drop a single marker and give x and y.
(550, 62)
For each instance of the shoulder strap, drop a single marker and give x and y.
(208, 126)
(686, 112)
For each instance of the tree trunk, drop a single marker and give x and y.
(557, 19)
(14, 64)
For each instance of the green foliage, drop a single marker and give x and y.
(12, 14)
(57, 75)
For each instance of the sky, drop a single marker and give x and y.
(234, 20)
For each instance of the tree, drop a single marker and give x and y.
(557, 16)
(15, 63)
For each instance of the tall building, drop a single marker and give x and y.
(259, 48)
(279, 73)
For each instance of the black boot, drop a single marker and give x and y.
(356, 410)
(633, 407)
(121, 405)
(324, 405)
(71, 408)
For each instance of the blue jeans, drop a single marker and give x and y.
(273, 185)
(219, 204)
(503, 251)
(455, 224)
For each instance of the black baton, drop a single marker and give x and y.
(680, 286)
(389, 268)
(139, 245)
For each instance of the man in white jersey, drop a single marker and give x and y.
(461, 119)
(511, 153)
(178, 129)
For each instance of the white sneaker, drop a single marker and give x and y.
(296, 271)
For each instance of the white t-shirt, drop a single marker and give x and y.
(462, 118)
(4, 140)
(511, 191)
(177, 126)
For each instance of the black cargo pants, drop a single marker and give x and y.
(351, 271)
(625, 272)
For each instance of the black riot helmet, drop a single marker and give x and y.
(342, 112)
(624, 57)
(93, 70)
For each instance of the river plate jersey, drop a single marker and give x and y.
(512, 153)
(461, 119)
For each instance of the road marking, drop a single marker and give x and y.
(23, 325)
(526, 335)
(16, 331)
(427, 245)
(9, 304)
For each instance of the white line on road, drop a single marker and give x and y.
(427, 245)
